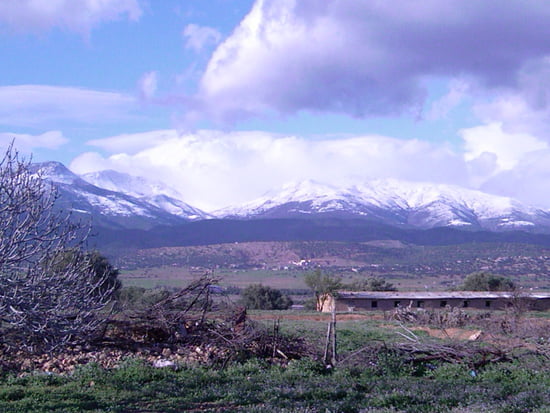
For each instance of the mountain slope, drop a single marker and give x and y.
(103, 207)
(124, 201)
(151, 192)
(404, 204)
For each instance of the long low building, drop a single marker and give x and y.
(389, 300)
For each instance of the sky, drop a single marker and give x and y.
(226, 99)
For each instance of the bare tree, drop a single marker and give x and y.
(48, 298)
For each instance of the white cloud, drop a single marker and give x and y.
(75, 15)
(133, 143)
(507, 148)
(213, 169)
(199, 37)
(26, 143)
(528, 181)
(33, 105)
(368, 58)
(148, 84)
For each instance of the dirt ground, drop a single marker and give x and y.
(316, 317)
(532, 325)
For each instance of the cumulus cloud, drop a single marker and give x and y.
(368, 58)
(32, 105)
(525, 109)
(508, 149)
(199, 37)
(213, 169)
(528, 181)
(75, 15)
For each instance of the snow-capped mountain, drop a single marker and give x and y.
(116, 199)
(111, 208)
(153, 192)
(411, 204)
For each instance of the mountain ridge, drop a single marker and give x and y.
(406, 204)
(141, 203)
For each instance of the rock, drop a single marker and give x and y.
(163, 363)
(26, 364)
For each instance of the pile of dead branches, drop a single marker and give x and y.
(443, 318)
(187, 327)
(192, 318)
(473, 354)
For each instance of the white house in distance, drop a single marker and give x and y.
(389, 300)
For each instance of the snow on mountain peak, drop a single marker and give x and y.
(153, 192)
(412, 203)
(54, 171)
(394, 202)
(132, 185)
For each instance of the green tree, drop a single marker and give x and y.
(102, 272)
(137, 298)
(323, 286)
(371, 284)
(262, 297)
(486, 281)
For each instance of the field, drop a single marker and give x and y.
(372, 374)
(444, 361)
(283, 264)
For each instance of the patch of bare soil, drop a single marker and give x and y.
(451, 333)
(317, 317)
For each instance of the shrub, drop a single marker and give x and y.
(261, 297)
(485, 281)
(50, 293)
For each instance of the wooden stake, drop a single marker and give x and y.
(333, 359)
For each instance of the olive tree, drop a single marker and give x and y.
(322, 285)
(485, 281)
(48, 298)
(371, 284)
(263, 297)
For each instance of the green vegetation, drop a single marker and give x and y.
(380, 380)
(261, 297)
(139, 298)
(484, 281)
(322, 284)
(101, 271)
(371, 284)
(407, 267)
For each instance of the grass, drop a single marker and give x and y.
(303, 386)
(180, 277)
(385, 381)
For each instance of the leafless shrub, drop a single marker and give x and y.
(48, 298)
(442, 318)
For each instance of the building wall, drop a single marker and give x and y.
(364, 304)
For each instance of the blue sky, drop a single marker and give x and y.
(227, 99)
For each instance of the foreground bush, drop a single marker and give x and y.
(52, 293)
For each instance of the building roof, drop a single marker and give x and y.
(436, 295)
